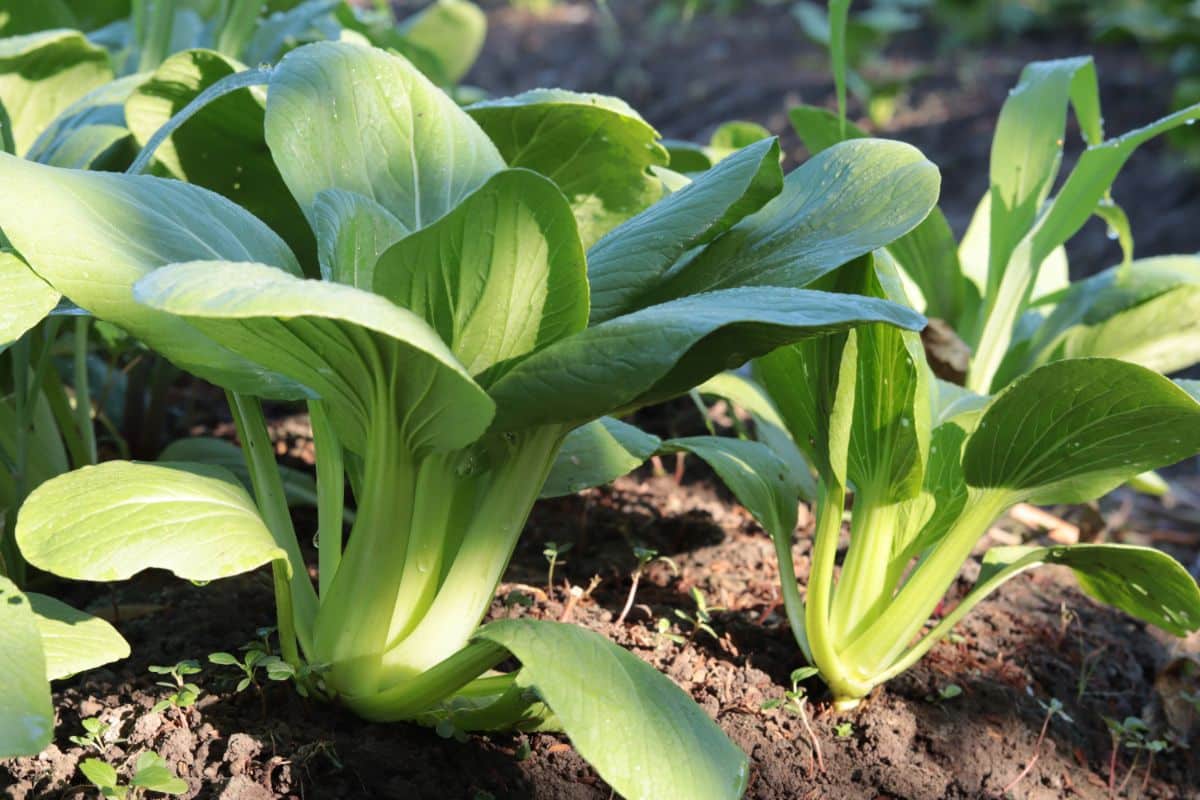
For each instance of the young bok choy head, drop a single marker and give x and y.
(932, 466)
(457, 336)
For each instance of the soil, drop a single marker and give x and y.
(1035, 640)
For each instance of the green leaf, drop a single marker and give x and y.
(636, 256)
(769, 427)
(345, 345)
(109, 522)
(500, 276)
(90, 133)
(24, 693)
(1075, 429)
(309, 21)
(41, 74)
(21, 16)
(843, 203)
(668, 747)
(343, 116)
(300, 488)
(72, 640)
(597, 453)
(99, 773)
(93, 235)
(730, 137)
(222, 146)
(1147, 312)
(443, 39)
(665, 350)
(27, 299)
(760, 479)
(819, 128)
(596, 148)
(1142, 581)
(352, 233)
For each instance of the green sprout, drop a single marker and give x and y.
(183, 693)
(645, 557)
(553, 552)
(795, 702)
(701, 619)
(150, 774)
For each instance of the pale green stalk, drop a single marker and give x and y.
(83, 396)
(863, 588)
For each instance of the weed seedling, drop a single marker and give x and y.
(843, 730)
(150, 774)
(183, 693)
(1052, 709)
(93, 736)
(645, 557)
(664, 631)
(796, 702)
(944, 693)
(701, 619)
(1134, 734)
(553, 553)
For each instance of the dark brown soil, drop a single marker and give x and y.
(1037, 639)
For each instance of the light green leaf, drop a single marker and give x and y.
(668, 746)
(73, 641)
(1072, 430)
(27, 299)
(596, 148)
(91, 133)
(819, 128)
(343, 116)
(309, 21)
(1147, 312)
(300, 488)
(501, 275)
(347, 346)
(1141, 581)
(730, 137)
(41, 74)
(110, 522)
(665, 350)
(352, 233)
(443, 39)
(843, 203)
(25, 709)
(100, 773)
(597, 453)
(221, 147)
(93, 235)
(636, 256)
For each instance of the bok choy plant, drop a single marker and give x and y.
(1005, 288)
(458, 338)
(932, 467)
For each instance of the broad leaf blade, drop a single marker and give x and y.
(92, 236)
(27, 299)
(346, 346)
(1075, 429)
(25, 709)
(597, 453)
(665, 350)
(109, 522)
(845, 202)
(91, 133)
(72, 640)
(596, 148)
(221, 147)
(634, 257)
(668, 746)
(352, 233)
(343, 116)
(300, 487)
(501, 275)
(443, 40)
(41, 74)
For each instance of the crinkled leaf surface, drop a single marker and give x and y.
(344, 116)
(41, 74)
(637, 255)
(665, 350)
(221, 147)
(25, 710)
(596, 453)
(74, 641)
(666, 746)
(93, 235)
(596, 148)
(27, 299)
(842, 203)
(346, 346)
(109, 522)
(1074, 429)
(501, 275)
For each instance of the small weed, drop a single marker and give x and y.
(150, 774)
(796, 702)
(183, 693)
